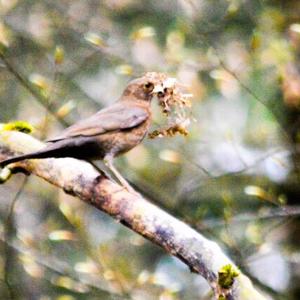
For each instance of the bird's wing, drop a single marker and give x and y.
(115, 117)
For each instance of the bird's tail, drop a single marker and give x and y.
(38, 154)
(77, 148)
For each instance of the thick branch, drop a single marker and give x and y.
(79, 178)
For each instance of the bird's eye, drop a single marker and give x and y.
(148, 87)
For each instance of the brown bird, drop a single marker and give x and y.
(108, 133)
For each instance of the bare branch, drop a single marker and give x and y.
(81, 179)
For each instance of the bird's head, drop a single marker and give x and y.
(143, 88)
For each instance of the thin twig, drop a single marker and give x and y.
(272, 213)
(8, 230)
(24, 82)
(57, 266)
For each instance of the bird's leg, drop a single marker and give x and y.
(98, 169)
(108, 162)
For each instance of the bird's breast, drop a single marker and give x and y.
(129, 138)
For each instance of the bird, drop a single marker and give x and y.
(108, 133)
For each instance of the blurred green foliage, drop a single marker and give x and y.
(235, 177)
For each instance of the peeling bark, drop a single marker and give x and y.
(81, 179)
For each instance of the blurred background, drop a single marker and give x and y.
(235, 177)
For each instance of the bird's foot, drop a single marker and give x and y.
(118, 176)
(102, 172)
(129, 188)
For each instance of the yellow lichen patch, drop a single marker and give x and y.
(226, 276)
(5, 174)
(21, 126)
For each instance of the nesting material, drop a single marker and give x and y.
(175, 104)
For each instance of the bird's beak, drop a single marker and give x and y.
(158, 88)
(168, 83)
